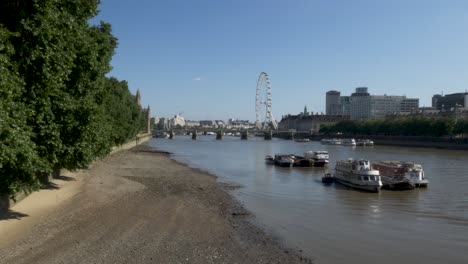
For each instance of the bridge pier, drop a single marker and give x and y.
(268, 135)
(171, 134)
(244, 135)
(194, 134)
(292, 135)
(219, 135)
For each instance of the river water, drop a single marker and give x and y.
(334, 224)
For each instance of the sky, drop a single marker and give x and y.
(202, 58)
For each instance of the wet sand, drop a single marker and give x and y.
(137, 206)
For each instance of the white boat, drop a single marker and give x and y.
(401, 175)
(317, 158)
(358, 174)
(330, 141)
(364, 142)
(348, 142)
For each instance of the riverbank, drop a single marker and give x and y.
(6, 202)
(138, 207)
(445, 142)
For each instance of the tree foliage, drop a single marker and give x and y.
(401, 126)
(57, 107)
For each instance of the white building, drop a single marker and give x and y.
(178, 120)
(192, 123)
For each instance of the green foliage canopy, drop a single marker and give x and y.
(57, 107)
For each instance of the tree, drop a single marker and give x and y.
(19, 162)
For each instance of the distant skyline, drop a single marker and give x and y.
(203, 58)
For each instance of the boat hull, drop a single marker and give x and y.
(367, 188)
(399, 186)
(283, 164)
(319, 163)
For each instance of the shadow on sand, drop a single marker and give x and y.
(6, 213)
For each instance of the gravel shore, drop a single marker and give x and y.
(140, 206)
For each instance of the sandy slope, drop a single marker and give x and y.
(136, 207)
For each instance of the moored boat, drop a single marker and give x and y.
(348, 142)
(328, 178)
(269, 160)
(331, 141)
(364, 142)
(358, 174)
(401, 175)
(302, 140)
(284, 160)
(318, 158)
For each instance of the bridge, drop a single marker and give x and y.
(265, 123)
(244, 133)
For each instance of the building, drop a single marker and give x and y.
(163, 123)
(192, 123)
(154, 120)
(450, 102)
(409, 105)
(345, 105)
(239, 124)
(333, 103)
(178, 120)
(361, 105)
(310, 123)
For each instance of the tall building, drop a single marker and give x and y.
(450, 102)
(362, 106)
(409, 105)
(345, 104)
(435, 99)
(333, 104)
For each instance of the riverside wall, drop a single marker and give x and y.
(6, 203)
(444, 142)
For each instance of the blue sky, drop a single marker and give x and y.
(203, 57)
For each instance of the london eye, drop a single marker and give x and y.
(264, 117)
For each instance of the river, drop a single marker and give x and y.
(334, 224)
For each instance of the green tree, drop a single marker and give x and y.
(19, 162)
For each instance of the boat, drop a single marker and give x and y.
(160, 135)
(328, 178)
(269, 160)
(364, 142)
(284, 160)
(348, 142)
(330, 141)
(358, 174)
(319, 158)
(401, 175)
(302, 140)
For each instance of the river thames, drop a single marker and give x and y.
(335, 224)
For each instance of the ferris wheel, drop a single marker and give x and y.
(265, 119)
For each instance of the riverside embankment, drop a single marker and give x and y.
(6, 202)
(444, 142)
(137, 207)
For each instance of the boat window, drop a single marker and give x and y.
(366, 178)
(361, 163)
